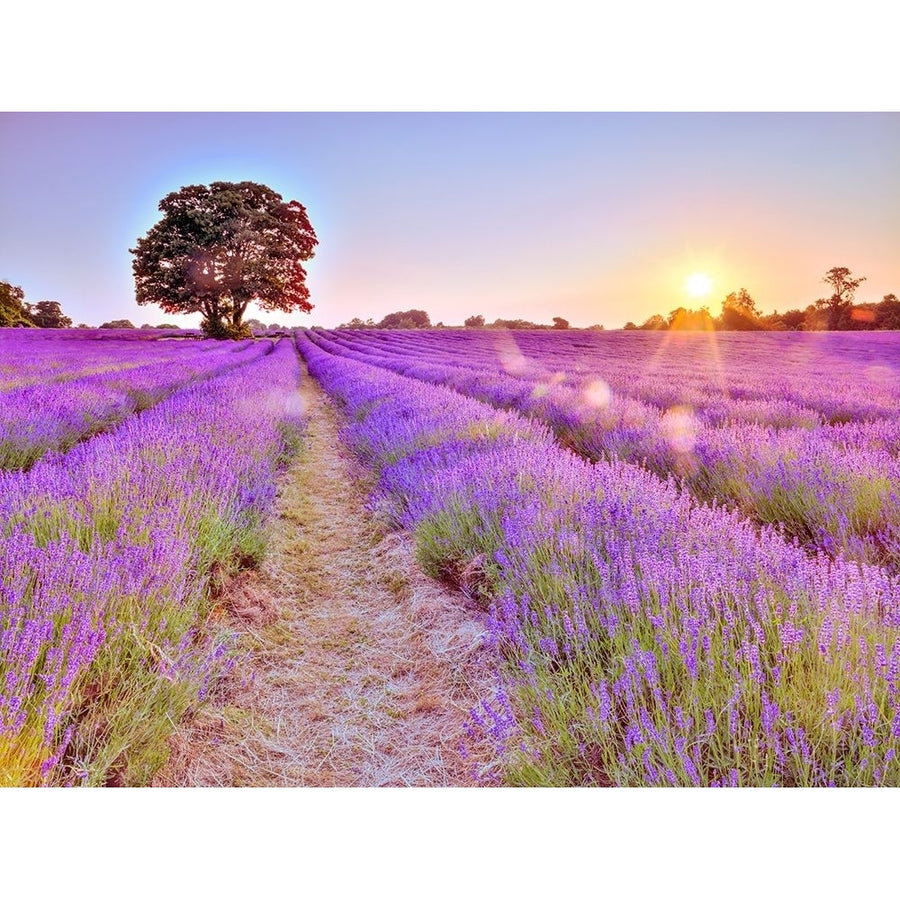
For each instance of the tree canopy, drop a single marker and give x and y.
(16, 313)
(221, 247)
(48, 314)
(411, 318)
(840, 303)
(13, 309)
(682, 319)
(739, 312)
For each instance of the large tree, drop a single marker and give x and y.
(840, 302)
(219, 248)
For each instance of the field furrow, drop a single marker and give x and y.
(355, 668)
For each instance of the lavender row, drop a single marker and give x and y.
(30, 356)
(645, 639)
(107, 633)
(777, 379)
(779, 386)
(834, 488)
(53, 415)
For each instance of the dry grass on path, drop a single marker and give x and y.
(357, 669)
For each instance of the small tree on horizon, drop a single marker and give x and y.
(739, 312)
(220, 248)
(655, 323)
(48, 314)
(682, 319)
(560, 322)
(887, 313)
(474, 322)
(411, 318)
(840, 302)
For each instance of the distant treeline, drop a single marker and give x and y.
(126, 323)
(410, 318)
(881, 316)
(418, 318)
(16, 313)
(836, 312)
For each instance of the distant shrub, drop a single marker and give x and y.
(412, 318)
(515, 324)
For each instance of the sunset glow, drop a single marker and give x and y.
(698, 284)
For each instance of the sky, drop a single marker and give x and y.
(596, 217)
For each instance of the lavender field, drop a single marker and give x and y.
(687, 547)
(684, 549)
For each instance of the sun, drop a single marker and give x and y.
(698, 284)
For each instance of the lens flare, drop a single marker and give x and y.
(679, 426)
(597, 393)
(511, 358)
(542, 388)
(294, 405)
(880, 374)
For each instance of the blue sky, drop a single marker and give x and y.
(597, 217)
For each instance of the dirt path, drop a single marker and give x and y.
(358, 670)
